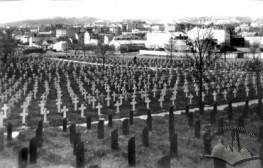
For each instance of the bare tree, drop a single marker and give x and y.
(7, 44)
(170, 47)
(203, 54)
(103, 51)
(255, 64)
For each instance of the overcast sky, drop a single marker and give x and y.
(14, 10)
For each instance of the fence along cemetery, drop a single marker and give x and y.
(68, 112)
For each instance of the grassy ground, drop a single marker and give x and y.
(58, 152)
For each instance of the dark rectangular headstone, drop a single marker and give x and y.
(23, 158)
(2, 145)
(33, 150)
(149, 122)
(131, 117)
(207, 142)
(245, 110)
(125, 127)
(191, 119)
(171, 121)
(110, 120)
(212, 117)
(76, 142)
(65, 124)
(72, 133)
(164, 162)
(197, 129)
(215, 108)
(101, 129)
(39, 136)
(229, 111)
(187, 110)
(131, 152)
(40, 124)
(145, 137)
(88, 122)
(173, 145)
(9, 132)
(201, 108)
(80, 155)
(114, 140)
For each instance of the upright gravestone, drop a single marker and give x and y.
(88, 122)
(171, 122)
(131, 152)
(215, 108)
(1, 140)
(125, 127)
(9, 132)
(77, 140)
(101, 129)
(72, 133)
(187, 110)
(131, 117)
(149, 121)
(65, 124)
(207, 142)
(80, 155)
(259, 108)
(33, 150)
(164, 162)
(173, 145)
(145, 137)
(114, 140)
(110, 120)
(197, 129)
(201, 108)
(39, 137)
(40, 124)
(212, 117)
(229, 111)
(23, 158)
(191, 119)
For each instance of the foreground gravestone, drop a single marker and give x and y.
(125, 127)
(33, 150)
(164, 162)
(131, 152)
(1, 140)
(77, 140)
(187, 110)
(145, 137)
(212, 117)
(110, 120)
(80, 155)
(171, 121)
(259, 108)
(149, 122)
(88, 122)
(197, 129)
(173, 145)
(207, 142)
(218, 163)
(23, 158)
(131, 117)
(191, 119)
(215, 108)
(114, 140)
(101, 129)
(72, 133)
(9, 131)
(65, 124)
(39, 136)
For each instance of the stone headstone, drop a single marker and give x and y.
(207, 142)
(114, 140)
(33, 150)
(125, 127)
(145, 137)
(215, 108)
(197, 129)
(186, 110)
(80, 155)
(191, 119)
(131, 152)
(201, 108)
(149, 122)
(110, 120)
(131, 117)
(72, 133)
(164, 162)
(171, 121)
(101, 129)
(245, 110)
(88, 122)
(212, 117)
(173, 145)
(65, 124)
(77, 140)
(39, 136)
(2, 145)
(23, 158)
(9, 131)
(230, 111)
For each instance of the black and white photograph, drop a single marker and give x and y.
(141, 83)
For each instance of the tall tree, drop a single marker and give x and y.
(203, 54)
(170, 47)
(7, 44)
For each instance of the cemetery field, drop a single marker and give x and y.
(57, 151)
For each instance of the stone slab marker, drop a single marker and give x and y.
(2, 145)
(131, 117)
(77, 140)
(125, 127)
(197, 129)
(23, 158)
(72, 133)
(114, 140)
(173, 145)
(131, 152)
(207, 143)
(110, 121)
(33, 150)
(149, 122)
(164, 162)
(145, 137)
(212, 117)
(9, 131)
(215, 108)
(171, 121)
(80, 155)
(245, 110)
(88, 122)
(39, 137)
(191, 119)
(65, 124)
(101, 129)
(186, 110)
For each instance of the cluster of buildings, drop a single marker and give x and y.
(130, 35)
